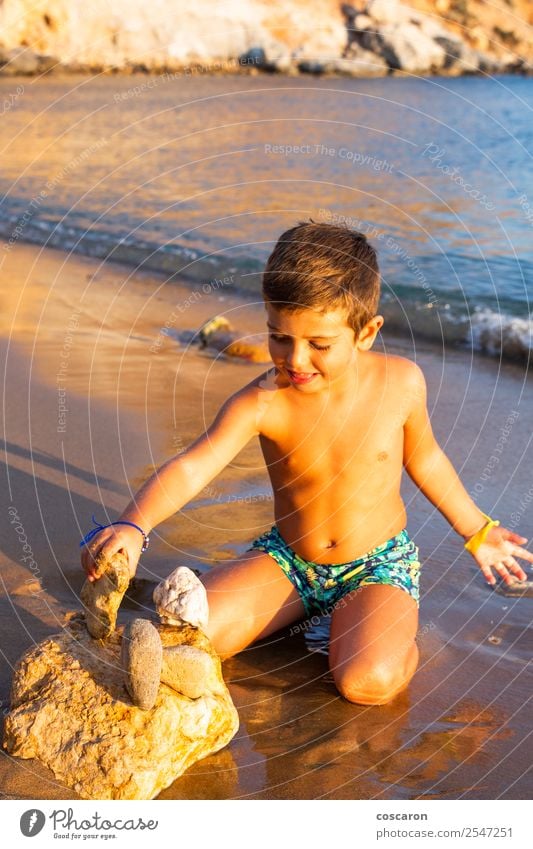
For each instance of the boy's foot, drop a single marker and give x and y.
(101, 598)
(182, 598)
(141, 656)
(190, 671)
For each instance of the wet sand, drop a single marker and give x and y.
(95, 396)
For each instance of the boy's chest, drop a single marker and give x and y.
(333, 443)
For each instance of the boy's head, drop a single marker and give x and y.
(324, 267)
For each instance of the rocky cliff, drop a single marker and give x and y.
(361, 38)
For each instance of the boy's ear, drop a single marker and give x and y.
(367, 335)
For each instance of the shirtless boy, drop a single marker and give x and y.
(337, 422)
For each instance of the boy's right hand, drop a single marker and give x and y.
(105, 544)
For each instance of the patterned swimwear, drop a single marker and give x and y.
(322, 585)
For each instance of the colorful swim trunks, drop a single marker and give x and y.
(321, 585)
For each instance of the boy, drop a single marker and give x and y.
(336, 423)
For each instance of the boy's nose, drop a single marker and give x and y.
(297, 359)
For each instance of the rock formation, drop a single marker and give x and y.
(308, 36)
(101, 598)
(70, 709)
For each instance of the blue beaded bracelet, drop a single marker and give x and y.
(88, 536)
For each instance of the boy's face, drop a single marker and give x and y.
(316, 350)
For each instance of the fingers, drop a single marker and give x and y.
(487, 574)
(512, 537)
(89, 564)
(516, 570)
(104, 546)
(523, 553)
(90, 557)
(508, 570)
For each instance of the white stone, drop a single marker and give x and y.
(414, 50)
(182, 598)
(363, 22)
(433, 29)
(384, 11)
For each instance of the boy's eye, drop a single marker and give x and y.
(277, 338)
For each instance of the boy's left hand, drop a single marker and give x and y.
(498, 552)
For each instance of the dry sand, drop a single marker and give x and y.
(79, 335)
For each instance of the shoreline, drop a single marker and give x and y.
(233, 68)
(499, 337)
(128, 409)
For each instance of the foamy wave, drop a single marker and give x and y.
(502, 335)
(444, 321)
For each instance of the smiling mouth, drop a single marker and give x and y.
(301, 377)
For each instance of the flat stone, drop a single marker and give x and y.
(190, 671)
(71, 711)
(141, 658)
(101, 598)
(181, 598)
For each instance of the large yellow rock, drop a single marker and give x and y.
(70, 709)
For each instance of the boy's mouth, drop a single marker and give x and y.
(301, 377)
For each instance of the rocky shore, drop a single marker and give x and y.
(360, 39)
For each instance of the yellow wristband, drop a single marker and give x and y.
(478, 539)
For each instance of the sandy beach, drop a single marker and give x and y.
(98, 391)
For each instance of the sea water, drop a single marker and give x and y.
(196, 176)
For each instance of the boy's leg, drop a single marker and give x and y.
(249, 598)
(373, 654)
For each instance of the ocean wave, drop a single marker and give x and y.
(173, 261)
(481, 329)
(502, 335)
(447, 321)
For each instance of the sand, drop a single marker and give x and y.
(96, 396)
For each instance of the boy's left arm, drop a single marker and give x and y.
(432, 472)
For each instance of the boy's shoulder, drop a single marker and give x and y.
(403, 381)
(397, 368)
(252, 400)
(265, 382)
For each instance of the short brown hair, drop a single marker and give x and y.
(324, 266)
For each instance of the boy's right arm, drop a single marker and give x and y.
(178, 481)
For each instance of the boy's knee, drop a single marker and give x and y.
(374, 685)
